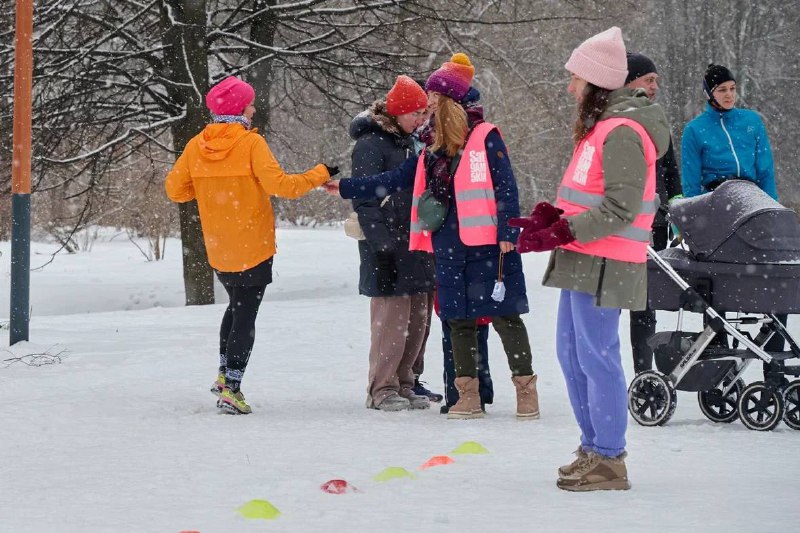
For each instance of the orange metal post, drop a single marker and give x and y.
(23, 86)
(21, 176)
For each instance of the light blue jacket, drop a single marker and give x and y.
(719, 145)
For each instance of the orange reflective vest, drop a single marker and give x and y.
(583, 188)
(474, 195)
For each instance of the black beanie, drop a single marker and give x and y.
(715, 76)
(638, 66)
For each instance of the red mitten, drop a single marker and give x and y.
(544, 214)
(546, 239)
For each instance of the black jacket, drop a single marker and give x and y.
(668, 182)
(388, 268)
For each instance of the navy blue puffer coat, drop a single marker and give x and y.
(387, 266)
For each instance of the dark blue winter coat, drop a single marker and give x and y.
(387, 267)
(465, 275)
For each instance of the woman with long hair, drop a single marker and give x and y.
(598, 232)
(464, 176)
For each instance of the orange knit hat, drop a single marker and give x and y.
(405, 96)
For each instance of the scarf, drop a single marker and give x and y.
(230, 119)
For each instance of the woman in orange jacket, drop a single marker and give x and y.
(231, 172)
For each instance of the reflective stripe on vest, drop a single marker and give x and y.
(583, 188)
(474, 196)
(474, 191)
(594, 200)
(477, 221)
(590, 200)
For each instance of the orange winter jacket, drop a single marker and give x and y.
(232, 173)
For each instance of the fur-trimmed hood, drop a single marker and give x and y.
(374, 119)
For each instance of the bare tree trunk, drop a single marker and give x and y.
(186, 65)
(260, 75)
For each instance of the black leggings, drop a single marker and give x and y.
(238, 331)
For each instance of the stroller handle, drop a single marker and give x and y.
(667, 268)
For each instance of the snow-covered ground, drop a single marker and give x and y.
(124, 436)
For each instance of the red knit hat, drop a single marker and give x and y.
(405, 96)
(230, 96)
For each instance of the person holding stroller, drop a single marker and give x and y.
(725, 142)
(460, 213)
(642, 74)
(231, 172)
(399, 282)
(598, 232)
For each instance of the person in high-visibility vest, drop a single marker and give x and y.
(599, 230)
(473, 244)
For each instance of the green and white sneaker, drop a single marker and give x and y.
(233, 403)
(218, 386)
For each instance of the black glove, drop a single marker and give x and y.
(386, 272)
(332, 171)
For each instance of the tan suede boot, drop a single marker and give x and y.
(598, 473)
(527, 397)
(568, 470)
(469, 400)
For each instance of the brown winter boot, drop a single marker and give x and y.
(597, 473)
(469, 400)
(567, 470)
(527, 397)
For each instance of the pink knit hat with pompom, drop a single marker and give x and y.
(453, 78)
(601, 60)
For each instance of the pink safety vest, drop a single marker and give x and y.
(474, 189)
(583, 188)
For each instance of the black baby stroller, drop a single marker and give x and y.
(743, 259)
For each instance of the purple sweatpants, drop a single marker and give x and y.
(587, 344)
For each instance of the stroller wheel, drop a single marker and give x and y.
(760, 407)
(651, 398)
(718, 407)
(791, 401)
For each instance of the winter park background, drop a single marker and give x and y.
(120, 433)
(124, 436)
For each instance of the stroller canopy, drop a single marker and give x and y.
(738, 223)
